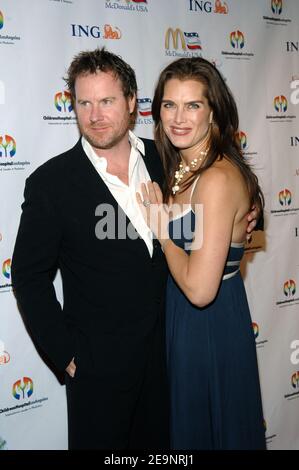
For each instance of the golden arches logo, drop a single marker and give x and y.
(175, 35)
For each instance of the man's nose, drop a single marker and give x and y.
(96, 113)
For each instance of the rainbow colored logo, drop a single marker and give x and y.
(6, 268)
(255, 329)
(295, 380)
(237, 39)
(22, 388)
(276, 6)
(63, 101)
(242, 139)
(285, 197)
(8, 144)
(280, 104)
(144, 106)
(1, 20)
(289, 288)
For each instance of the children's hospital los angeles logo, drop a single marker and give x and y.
(289, 295)
(294, 386)
(7, 146)
(180, 43)
(275, 14)
(243, 140)
(280, 107)
(5, 284)
(22, 388)
(7, 38)
(259, 342)
(284, 203)
(237, 49)
(8, 151)
(63, 102)
(63, 106)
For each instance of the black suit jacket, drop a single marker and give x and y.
(113, 290)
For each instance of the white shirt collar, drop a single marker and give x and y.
(101, 162)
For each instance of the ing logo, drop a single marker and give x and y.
(144, 106)
(295, 380)
(6, 268)
(276, 6)
(285, 197)
(4, 357)
(289, 288)
(63, 101)
(221, 8)
(280, 104)
(237, 39)
(242, 139)
(1, 20)
(255, 329)
(111, 32)
(8, 146)
(22, 388)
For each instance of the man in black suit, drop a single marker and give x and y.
(109, 333)
(81, 215)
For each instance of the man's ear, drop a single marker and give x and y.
(132, 103)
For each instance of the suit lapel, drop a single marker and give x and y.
(84, 175)
(152, 162)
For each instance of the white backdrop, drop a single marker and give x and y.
(255, 46)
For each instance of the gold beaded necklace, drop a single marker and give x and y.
(182, 170)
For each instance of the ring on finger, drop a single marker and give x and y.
(146, 203)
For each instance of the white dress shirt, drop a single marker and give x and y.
(125, 195)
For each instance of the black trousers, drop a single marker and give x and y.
(104, 415)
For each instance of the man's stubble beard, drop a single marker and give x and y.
(109, 141)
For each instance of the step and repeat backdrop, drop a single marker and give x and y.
(255, 45)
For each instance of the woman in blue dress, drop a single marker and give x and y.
(200, 221)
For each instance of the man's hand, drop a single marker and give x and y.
(71, 368)
(252, 221)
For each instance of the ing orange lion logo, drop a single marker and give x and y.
(219, 8)
(110, 33)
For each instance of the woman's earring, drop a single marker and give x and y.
(211, 117)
